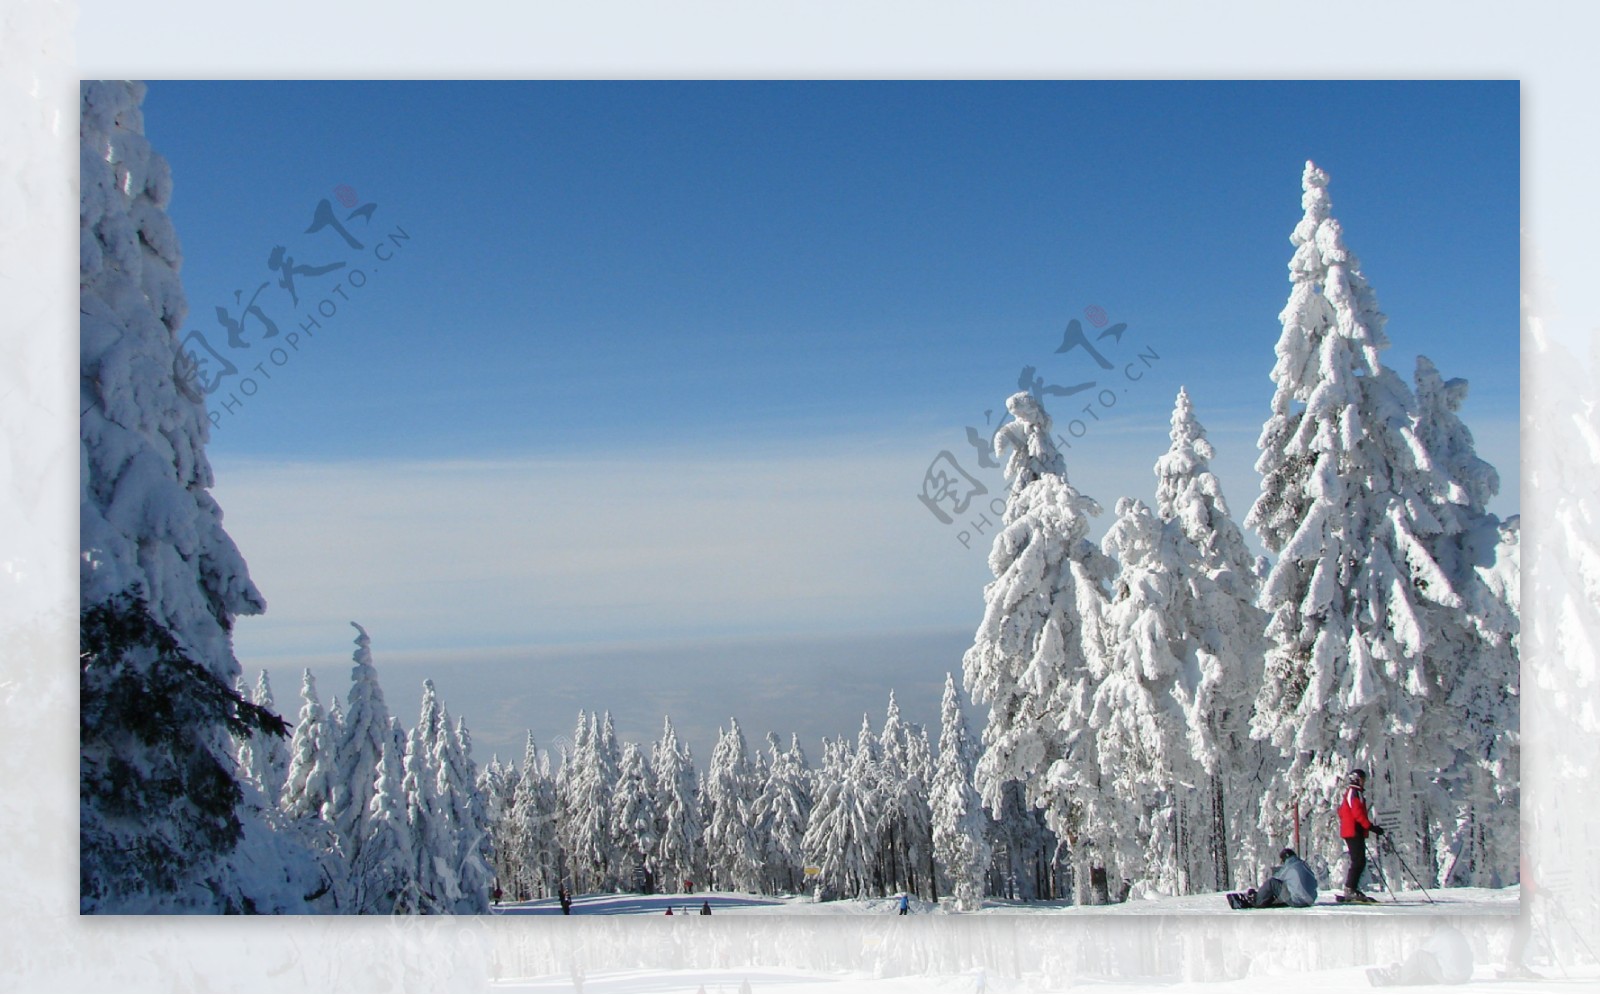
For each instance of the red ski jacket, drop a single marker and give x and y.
(1353, 813)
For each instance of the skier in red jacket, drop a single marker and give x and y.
(1354, 824)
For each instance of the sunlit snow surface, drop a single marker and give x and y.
(933, 950)
(1450, 901)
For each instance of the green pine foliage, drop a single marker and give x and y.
(158, 789)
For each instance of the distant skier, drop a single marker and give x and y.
(905, 903)
(1354, 824)
(705, 908)
(669, 910)
(1291, 884)
(564, 897)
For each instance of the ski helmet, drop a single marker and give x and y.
(1357, 776)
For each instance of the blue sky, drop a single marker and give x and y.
(661, 366)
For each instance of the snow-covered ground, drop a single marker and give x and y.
(1192, 943)
(1451, 901)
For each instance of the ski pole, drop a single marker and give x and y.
(1383, 879)
(1407, 870)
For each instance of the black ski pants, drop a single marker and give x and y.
(1357, 845)
(1271, 894)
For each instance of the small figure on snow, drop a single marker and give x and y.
(564, 897)
(905, 903)
(669, 910)
(705, 908)
(1291, 884)
(1354, 824)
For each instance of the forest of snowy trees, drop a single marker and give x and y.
(1163, 710)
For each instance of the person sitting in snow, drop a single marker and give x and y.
(1354, 824)
(705, 908)
(1291, 884)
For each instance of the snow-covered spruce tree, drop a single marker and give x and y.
(867, 774)
(634, 822)
(438, 889)
(497, 785)
(313, 761)
(385, 869)
(1467, 796)
(782, 811)
(591, 856)
(904, 824)
(362, 737)
(536, 848)
(1140, 714)
(562, 784)
(838, 838)
(919, 821)
(263, 757)
(162, 827)
(1223, 632)
(891, 802)
(336, 719)
(1036, 656)
(1346, 505)
(151, 781)
(680, 854)
(960, 825)
(457, 796)
(731, 850)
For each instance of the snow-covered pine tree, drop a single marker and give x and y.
(498, 789)
(1466, 770)
(563, 786)
(782, 810)
(904, 822)
(588, 845)
(385, 869)
(1345, 504)
(362, 736)
(919, 825)
(838, 838)
(263, 757)
(536, 858)
(892, 803)
(160, 581)
(438, 890)
(1224, 631)
(1036, 656)
(634, 820)
(960, 825)
(680, 855)
(1140, 712)
(731, 850)
(470, 851)
(313, 760)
